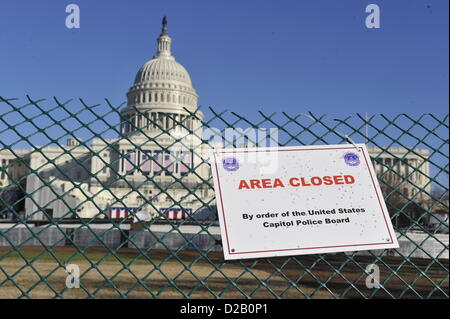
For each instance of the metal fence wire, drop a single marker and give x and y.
(96, 202)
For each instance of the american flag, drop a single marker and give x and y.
(119, 212)
(175, 213)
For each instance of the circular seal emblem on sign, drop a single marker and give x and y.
(230, 164)
(351, 159)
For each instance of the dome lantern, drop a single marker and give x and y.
(164, 41)
(162, 86)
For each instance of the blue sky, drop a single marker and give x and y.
(242, 55)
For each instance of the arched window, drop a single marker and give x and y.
(175, 121)
(168, 120)
(153, 117)
(160, 121)
(148, 119)
(133, 122)
(182, 123)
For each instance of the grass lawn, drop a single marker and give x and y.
(37, 273)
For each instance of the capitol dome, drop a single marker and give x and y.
(163, 70)
(162, 87)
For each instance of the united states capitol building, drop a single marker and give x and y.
(113, 174)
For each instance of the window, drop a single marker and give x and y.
(145, 120)
(168, 122)
(122, 161)
(153, 116)
(161, 120)
(182, 124)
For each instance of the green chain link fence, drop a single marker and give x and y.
(47, 187)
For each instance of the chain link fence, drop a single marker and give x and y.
(100, 201)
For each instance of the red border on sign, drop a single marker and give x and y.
(305, 248)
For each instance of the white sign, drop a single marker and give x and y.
(299, 200)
